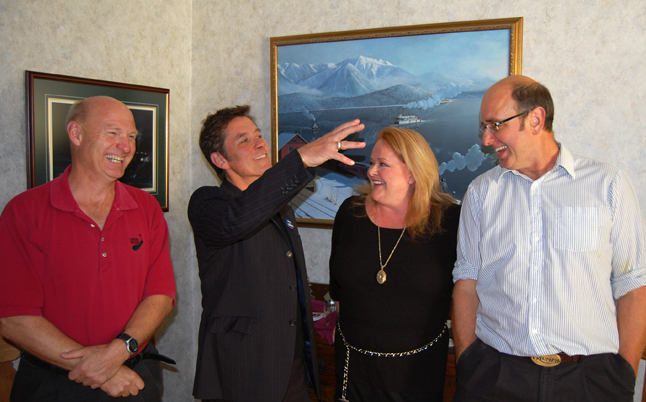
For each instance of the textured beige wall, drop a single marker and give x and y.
(215, 53)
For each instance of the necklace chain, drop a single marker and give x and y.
(381, 275)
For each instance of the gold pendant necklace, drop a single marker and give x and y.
(381, 275)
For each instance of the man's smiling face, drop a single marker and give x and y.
(247, 152)
(107, 141)
(512, 142)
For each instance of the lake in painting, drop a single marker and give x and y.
(451, 129)
(430, 83)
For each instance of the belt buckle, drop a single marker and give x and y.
(547, 361)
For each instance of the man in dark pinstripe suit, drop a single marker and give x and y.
(256, 338)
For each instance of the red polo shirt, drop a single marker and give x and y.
(57, 263)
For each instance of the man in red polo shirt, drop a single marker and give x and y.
(86, 276)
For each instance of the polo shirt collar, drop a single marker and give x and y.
(61, 196)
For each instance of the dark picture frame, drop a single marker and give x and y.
(425, 77)
(49, 97)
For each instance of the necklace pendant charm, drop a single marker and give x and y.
(381, 276)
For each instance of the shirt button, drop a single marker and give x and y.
(103, 239)
(104, 254)
(292, 323)
(92, 224)
(534, 300)
(292, 288)
(289, 254)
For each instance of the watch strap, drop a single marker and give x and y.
(131, 343)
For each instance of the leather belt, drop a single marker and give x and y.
(555, 359)
(43, 365)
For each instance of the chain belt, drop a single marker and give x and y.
(346, 367)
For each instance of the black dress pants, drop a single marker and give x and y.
(484, 375)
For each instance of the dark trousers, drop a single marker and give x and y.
(484, 374)
(38, 381)
(298, 389)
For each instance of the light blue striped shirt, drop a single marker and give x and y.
(551, 256)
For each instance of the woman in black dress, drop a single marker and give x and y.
(393, 250)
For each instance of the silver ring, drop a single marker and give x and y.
(338, 145)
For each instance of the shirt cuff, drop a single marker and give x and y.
(626, 283)
(463, 270)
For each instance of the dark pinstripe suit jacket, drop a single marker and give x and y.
(247, 270)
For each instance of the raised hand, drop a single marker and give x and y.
(328, 146)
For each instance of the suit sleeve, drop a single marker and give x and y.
(220, 218)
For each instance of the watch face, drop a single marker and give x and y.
(133, 346)
(131, 343)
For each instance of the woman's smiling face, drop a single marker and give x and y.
(391, 181)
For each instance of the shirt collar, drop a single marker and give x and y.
(230, 187)
(563, 160)
(61, 196)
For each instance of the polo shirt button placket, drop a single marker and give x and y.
(104, 263)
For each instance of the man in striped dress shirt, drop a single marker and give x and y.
(549, 297)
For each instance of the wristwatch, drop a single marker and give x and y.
(131, 343)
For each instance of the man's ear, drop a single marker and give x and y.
(220, 161)
(536, 119)
(75, 133)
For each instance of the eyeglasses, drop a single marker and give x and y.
(495, 127)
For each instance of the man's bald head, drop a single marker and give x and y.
(527, 93)
(79, 111)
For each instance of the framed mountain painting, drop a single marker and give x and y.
(429, 78)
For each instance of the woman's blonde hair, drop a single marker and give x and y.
(428, 202)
